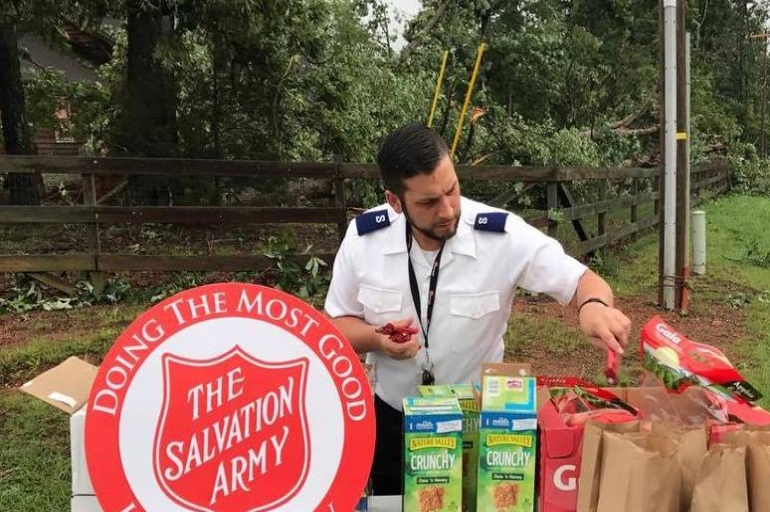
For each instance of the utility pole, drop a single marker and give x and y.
(682, 269)
(764, 90)
(668, 182)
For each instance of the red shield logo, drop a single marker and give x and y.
(233, 433)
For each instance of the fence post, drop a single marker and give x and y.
(92, 233)
(601, 228)
(634, 210)
(552, 204)
(340, 202)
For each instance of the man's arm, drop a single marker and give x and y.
(604, 325)
(364, 338)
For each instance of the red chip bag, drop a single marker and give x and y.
(680, 363)
(578, 401)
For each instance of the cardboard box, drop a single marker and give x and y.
(507, 440)
(67, 387)
(471, 408)
(432, 454)
(560, 452)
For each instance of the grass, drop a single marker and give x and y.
(738, 260)
(34, 455)
(35, 472)
(34, 443)
(19, 364)
(738, 274)
(529, 327)
(738, 251)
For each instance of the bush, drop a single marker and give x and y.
(751, 176)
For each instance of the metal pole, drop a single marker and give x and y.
(669, 238)
(681, 155)
(468, 96)
(762, 145)
(438, 88)
(687, 258)
(660, 183)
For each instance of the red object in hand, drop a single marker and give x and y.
(398, 334)
(613, 364)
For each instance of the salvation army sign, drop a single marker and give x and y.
(230, 398)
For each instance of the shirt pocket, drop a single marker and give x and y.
(380, 304)
(470, 317)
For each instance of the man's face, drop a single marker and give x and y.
(431, 202)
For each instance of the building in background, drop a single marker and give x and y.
(82, 52)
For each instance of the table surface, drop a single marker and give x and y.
(377, 504)
(385, 504)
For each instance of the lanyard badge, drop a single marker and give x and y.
(428, 378)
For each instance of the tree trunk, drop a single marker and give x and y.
(23, 187)
(150, 119)
(147, 127)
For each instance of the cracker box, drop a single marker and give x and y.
(470, 407)
(507, 444)
(433, 451)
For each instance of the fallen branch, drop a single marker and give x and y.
(120, 186)
(620, 129)
(633, 132)
(428, 28)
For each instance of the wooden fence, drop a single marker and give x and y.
(621, 196)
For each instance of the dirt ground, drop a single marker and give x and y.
(714, 324)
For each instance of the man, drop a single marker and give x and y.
(453, 265)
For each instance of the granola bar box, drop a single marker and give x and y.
(433, 450)
(507, 444)
(470, 407)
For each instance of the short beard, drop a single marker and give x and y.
(429, 233)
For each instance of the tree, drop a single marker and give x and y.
(23, 187)
(147, 123)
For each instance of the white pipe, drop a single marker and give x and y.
(669, 205)
(699, 242)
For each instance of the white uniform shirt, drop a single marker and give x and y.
(479, 272)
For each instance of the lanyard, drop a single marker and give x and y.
(415, 288)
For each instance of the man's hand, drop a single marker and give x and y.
(606, 327)
(395, 350)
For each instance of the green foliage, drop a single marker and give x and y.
(751, 176)
(298, 81)
(363, 193)
(308, 81)
(180, 281)
(561, 83)
(30, 295)
(87, 104)
(307, 282)
(756, 254)
(741, 300)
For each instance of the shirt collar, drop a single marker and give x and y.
(462, 243)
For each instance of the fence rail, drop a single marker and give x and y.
(583, 227)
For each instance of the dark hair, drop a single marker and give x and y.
(407, 151)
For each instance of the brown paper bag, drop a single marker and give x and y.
(759, 471)
(757, 465)
(721, 484)
(591, 461)
(640, 473)
(693, 443)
